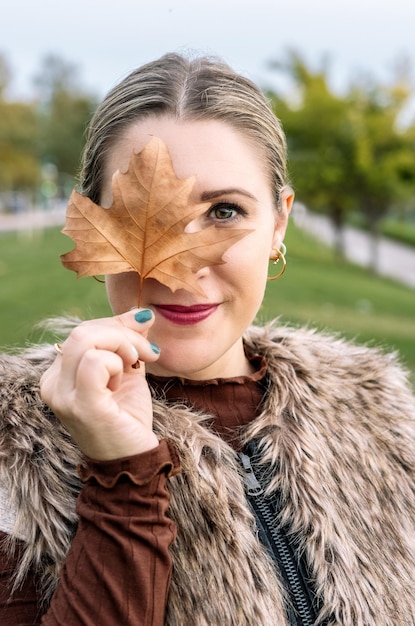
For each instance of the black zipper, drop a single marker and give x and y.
(301, 609)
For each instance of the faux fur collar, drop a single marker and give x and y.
(338, 429)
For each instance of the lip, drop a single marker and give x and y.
(186, 315)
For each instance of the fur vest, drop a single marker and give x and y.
(338, 432)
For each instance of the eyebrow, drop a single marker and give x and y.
(211, 195)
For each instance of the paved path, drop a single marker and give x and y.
(33, 220)
(394, 260)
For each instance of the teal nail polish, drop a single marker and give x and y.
(155, 348)
(143, 316)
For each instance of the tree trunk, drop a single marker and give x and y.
(337, 219)
(374, 214)
(374, 235)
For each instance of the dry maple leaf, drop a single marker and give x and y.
(144, 229)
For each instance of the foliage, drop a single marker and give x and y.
(384, 176)
(18, 135)
(64, 109)
(5, 74)
(348, 152)
(320, 140)
(19, 167)
(45, 132)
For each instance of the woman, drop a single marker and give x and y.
(229, 474)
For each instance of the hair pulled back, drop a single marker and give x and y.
(187, 89)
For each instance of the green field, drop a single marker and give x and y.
(34, 285)
(316, 289)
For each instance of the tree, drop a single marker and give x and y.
(384, 169)
(43, 138)
(18, 135)
(320, 141)
(347, 152)
(4, 75)
(64, 111)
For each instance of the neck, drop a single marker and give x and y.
(232, 363)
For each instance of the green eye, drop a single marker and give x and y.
(224, 212)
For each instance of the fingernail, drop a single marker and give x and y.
(155, 348)
(135, 352)
(143, 316)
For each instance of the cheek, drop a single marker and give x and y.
(245, 274)
(251, 255)
(122, 291)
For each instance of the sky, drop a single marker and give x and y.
(106, 39)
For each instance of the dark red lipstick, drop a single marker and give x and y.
(186, 315)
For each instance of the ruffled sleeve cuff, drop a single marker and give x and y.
(140, 469)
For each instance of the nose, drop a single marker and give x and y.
(203, 272)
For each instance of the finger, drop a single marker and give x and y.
(139, 320)
(97, 337)
(48, 384)
(123, 335)
(98, 370)
(136, 321)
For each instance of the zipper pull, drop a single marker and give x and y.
(253, 486)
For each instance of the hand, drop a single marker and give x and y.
(93, 388)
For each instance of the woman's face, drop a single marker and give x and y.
(201, 338)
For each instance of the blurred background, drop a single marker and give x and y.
(341, 77)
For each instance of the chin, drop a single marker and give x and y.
(182, 365)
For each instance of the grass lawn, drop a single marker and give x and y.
(34, 285)
(321, 291)
(315, 289)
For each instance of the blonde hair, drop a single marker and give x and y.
(203, 88)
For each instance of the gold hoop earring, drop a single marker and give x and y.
(279, 254)
(99, 280)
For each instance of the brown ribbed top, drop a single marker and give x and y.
(232, 402)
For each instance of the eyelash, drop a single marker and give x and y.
(230, 206)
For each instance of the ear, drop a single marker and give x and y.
(281, 220)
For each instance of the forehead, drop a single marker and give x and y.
(209, 149)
